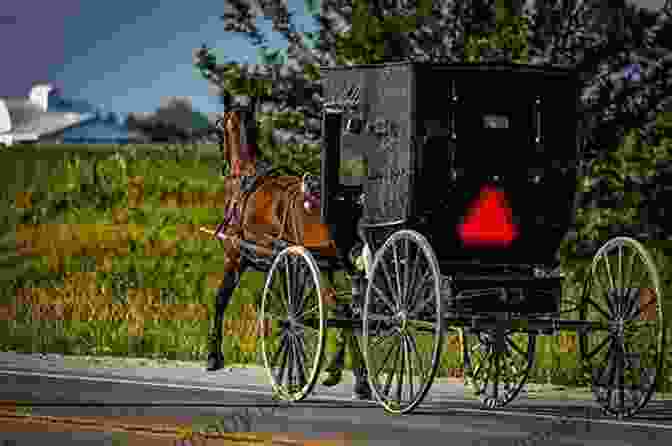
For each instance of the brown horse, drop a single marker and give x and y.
(273, 208)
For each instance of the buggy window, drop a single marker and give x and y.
(352, 170)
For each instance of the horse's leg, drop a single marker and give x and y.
(337, 363)
(362, 390)
(232, 275)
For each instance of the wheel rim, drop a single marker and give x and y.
(498, 377)
(624, 357)
(293, 317)
(403, 327)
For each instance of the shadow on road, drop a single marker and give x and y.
(654, 412)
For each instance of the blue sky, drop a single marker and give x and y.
(124, 55)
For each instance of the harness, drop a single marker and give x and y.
(248, 184)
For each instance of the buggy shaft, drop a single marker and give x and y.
(247, 246)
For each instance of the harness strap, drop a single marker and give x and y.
(290, 202)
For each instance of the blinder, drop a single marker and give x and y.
(248, 134)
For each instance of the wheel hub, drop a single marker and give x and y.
(402, 319)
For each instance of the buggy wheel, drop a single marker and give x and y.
(497, 377)
(403, 322)
(624, 354)
(293, 316)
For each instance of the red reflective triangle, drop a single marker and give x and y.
(489, 221)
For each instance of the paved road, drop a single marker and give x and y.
(186, 393)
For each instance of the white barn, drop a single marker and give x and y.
(30, 120)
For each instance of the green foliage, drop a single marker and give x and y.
(367, 40)
(509, 36)
(312, 72)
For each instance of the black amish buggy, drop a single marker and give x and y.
(470, 188)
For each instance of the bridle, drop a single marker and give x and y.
(224, 145)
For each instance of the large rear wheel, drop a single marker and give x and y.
(403, 322)
(624, 353)
(293, 315)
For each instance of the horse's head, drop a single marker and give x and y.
(238, 140)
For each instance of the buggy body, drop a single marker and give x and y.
(439, 138)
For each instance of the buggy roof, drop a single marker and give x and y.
(463, 66)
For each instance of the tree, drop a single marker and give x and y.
(174, 121)
(377, 34)
(508, 40)
(597, 42)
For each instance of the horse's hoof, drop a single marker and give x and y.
(362, 391)
(215, 362)
(362, 395)
(333, 379)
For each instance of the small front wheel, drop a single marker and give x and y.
(293, 317)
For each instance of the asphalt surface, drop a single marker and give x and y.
(187, 394)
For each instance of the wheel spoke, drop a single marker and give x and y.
(612, 285)
(598, 348)
(303, 277)
(389, 283)
(385, 299)
(599, 309)
(283, 342)
(620, 371)
(313, 310)
(407, 352)
(288, 287)
(397, 275)
(406, 296)
(598, 279)
(630, 304)
(417, 309)
(513, 346)
(620, 265)
(292, 363)
(411, 290)
(300, 285)
(607, 371)
(638, 271)
(421, 362)
(376, 372)
(276, 298)
(301, 359)
(629, 269)
(402, 367)
(388, 383)
(285, 353)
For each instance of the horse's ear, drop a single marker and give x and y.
(226, 100)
